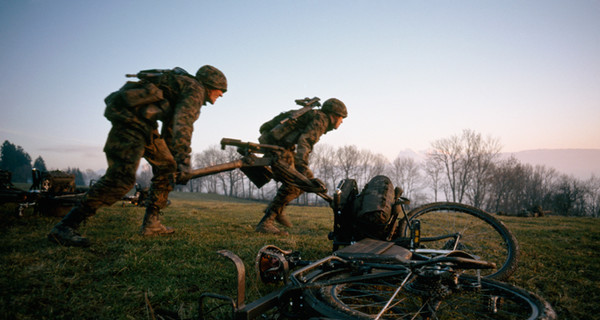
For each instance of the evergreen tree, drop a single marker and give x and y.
(16, 160)
(40, 164)
(79, 178)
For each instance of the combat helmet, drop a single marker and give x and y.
(212, 77)
(335, 106)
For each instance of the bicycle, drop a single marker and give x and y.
(405, 276)
(374, 279)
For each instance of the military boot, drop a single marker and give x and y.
(151, 224)
(283, 220)
(65, 232)
(266, 224)
(280, 216)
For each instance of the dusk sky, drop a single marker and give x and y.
(410, 72)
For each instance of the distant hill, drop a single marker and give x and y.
(581, 163)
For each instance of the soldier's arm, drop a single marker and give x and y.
(311, 134)
(185, 113)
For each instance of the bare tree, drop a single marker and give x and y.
(568, 198)
(323, 164)
(505, 184)
(230, 180)
(592, 197)
(433, 172)
(348, 160)
(406, 173)
(538, 184)
(447, 153)
(483, 155)
(516, 187)
(209, 157)
(371, 165)
(466, 161)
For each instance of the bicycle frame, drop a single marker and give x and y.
(367, 253)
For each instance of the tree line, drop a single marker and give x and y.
(464, 168)
(15, 159)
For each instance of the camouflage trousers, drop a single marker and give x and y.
(124, 148)
(286, 193)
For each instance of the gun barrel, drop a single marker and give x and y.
(231, 142)
(201, 172)
(249, 146)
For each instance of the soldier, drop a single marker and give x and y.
(299, 143)
(173, 97)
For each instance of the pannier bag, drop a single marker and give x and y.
(374, 207)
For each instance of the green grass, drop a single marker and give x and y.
(122, 270)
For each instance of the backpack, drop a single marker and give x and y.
(269, 125)
(276, 129)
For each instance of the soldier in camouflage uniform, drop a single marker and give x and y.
(299, 144)
(173, 97)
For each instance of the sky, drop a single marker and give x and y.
(526, 73)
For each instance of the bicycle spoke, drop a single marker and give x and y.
(407, 297)
(479, 235)
(387, 305)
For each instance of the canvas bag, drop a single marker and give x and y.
(374, 206)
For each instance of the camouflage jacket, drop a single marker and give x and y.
(174, 98)
(309, 129)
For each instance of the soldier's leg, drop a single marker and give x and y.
(286, 194)
(274, 211)
(123, 149)
(163, 169)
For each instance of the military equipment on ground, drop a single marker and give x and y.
(138, 198)
(52, 193)
(260, 170)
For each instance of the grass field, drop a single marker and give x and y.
(123, 274)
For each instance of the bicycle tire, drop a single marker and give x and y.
(365, 300)
(482, 235)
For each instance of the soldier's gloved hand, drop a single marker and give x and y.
(183, 174)
(317, 183)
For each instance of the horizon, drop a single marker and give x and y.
(410, 73)
(572, 164)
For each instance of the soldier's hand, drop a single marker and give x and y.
(317, 183)
(183, 174)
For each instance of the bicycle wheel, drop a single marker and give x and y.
(487, 299)
(476, 232)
